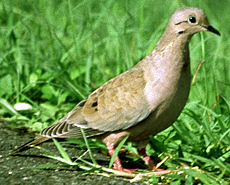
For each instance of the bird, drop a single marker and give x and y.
(140, 102)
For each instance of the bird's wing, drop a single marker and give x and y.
(117, 105)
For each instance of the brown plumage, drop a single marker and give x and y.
(141, 101)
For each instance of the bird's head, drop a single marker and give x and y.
(190, 20)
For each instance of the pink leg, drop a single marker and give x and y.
(117, 163)
(149, 161)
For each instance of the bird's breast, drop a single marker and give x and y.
(167, 95)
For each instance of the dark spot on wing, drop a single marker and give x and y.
(82, 103)
(94, 104)
(96, 109)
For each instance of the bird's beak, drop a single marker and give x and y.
(210, 28)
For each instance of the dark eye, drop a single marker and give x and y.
(192, 19)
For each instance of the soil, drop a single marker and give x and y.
(18, 169)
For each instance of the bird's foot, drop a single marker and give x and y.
(149, 161)
(117, 162)
(118, 166)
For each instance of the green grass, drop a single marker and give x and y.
(54, 53)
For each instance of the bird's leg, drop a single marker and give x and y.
(117, 162)
(147, 159)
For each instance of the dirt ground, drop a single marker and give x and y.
(15, 170)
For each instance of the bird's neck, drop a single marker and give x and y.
(173, 41)
(173, 49)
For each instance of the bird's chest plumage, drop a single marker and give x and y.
(166, 93)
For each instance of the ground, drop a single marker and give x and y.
(17, 169)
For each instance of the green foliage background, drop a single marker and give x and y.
(54, 53)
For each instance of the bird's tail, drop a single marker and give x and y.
(36, 141)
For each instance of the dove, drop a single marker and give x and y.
(142, 101)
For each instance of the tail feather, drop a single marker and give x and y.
(36, 141)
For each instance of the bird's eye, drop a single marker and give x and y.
(192, 19)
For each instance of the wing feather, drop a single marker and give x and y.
(117, 105)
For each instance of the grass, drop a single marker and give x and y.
(53, 54)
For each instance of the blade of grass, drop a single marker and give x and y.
(58, 158)
(4, 103)
(87, 145)
(62, 151)
(115, 154)
(204, 177)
